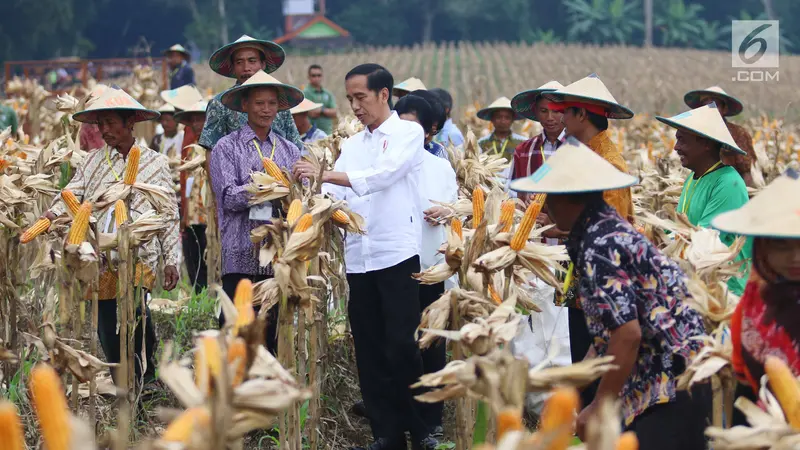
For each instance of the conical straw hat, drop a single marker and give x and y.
(96, 92)
(183, 97)
(574, 168)
(178, 48)
(305, 106)
(524, 103)
(590, 90)
(774, 212)
(166, 108)
(704, 121)
(694, 99)
(199, 107)
(113, 99)
(288, 96)
(500, 103)
(411, 84)
(221, 62)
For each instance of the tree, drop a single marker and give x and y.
(648, 23)
(678, 22)
(603, 21)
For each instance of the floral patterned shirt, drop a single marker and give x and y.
(623, 278)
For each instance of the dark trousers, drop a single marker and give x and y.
(109, 338)
(434, 357)
(677, 425)
(384, 312)
(579, 342)
(194, 249)
(229, 283)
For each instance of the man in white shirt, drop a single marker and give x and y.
(378, 175)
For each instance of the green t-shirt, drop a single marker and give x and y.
(328, 101)
(8, 118)
(715, 193)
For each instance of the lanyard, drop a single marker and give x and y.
(569, 277)
(691, 187)
(541, 150)
(258, 147)
(111, 166)
(503, 149)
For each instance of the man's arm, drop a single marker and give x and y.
(214, 128)
(329, 110)
(231, 195)
(624, 347)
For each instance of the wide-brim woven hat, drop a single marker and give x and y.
(524, 103)
(198, 108)
(166, 108)
(178, 48)
(591, 93)
(573, 169)
(500, 103)
(288, 96)
(705, 121)
(694, 99)
(772, 213)
(221, 60)
(305, 106)
(406, 86)
(114, 99)
(183, 97)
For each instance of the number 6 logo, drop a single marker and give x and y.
(750, 40)
(755, 43)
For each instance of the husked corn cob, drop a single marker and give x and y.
(4, 163)
(243, 301)
(274, 171)
(295, 209)
(238, 351)
(80, 225)
(132, 166)
(509, 420)
(181, 429)
(478, 206)
(303, 223)
(506, 216)
(458, 227)
(784, 385)
(51, 407)
(628, 441)
(39, 227)
(559, 415)
(120, 212)
(494, 295)
(341, 217)
(213, 354)
(525, 227)
(11, 437)
(71, 201)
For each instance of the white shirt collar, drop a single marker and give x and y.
(386, 128)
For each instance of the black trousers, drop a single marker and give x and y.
(434, 357)
(229, 283)
(194, 250)
(109, 338)
(579, 342)
(384, 312)
(678, 425)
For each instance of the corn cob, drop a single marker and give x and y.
(303, 223)
(80, 225)
(120, 212)
(132, 166)
(274, 171)
(558, 417)
(9, 142)
(51, 407)
(525, 227)
(628, 441)
(213, 355)
(785, 387)
(70, 201)
(243, 301)
(238, 351)
(4, 163)
(295, 209)
(493, 294)
(478, 205)
(789, 143)
(456, 225)
(508, 420)
(340, 217)
(10, 427)
(181, 429)
(506, 216)
(650, 150)
(39, 227)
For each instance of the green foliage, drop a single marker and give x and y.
(678, 23)
(604, 21)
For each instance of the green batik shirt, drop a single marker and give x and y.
(8, 118)
(328, 101)
(704, 199)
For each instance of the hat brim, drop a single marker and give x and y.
(524, 103)
(221, 63)
(615, 110)
(183, 116)
(305, 110)
(743, 223)
(683, 127)
(185, 53)
(733, 106)
(140, 115)
(486, 113)
(558, 186)
(288, 96)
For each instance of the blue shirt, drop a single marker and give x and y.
(451, 133)
(181, 76)
(436, 149)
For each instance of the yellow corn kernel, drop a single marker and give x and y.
(4, 163)
(71, 201)
(506, 216)
(559, 416)
(509, 420)
(120, 212)
(478, 205)
(11, 436)
(525, 227)
(274, 171)
(628, 441)
(457, 227)
(494, 295)
(789, 143)
(182, 428)
(39, 227)
(243, 301)
(303, 223)
(295, 209)
(80, 225)
(9, 142)
(784, 385)
(238, 351)
(132, 166)
(341, 217)
(51, 407)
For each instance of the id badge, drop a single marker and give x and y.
(262, 212)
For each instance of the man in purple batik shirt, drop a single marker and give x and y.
(233, 159)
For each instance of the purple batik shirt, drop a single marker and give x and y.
(233, 159)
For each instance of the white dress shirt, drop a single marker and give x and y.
(437, 182)
(384, 168)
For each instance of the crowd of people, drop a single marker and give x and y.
(622, 295)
